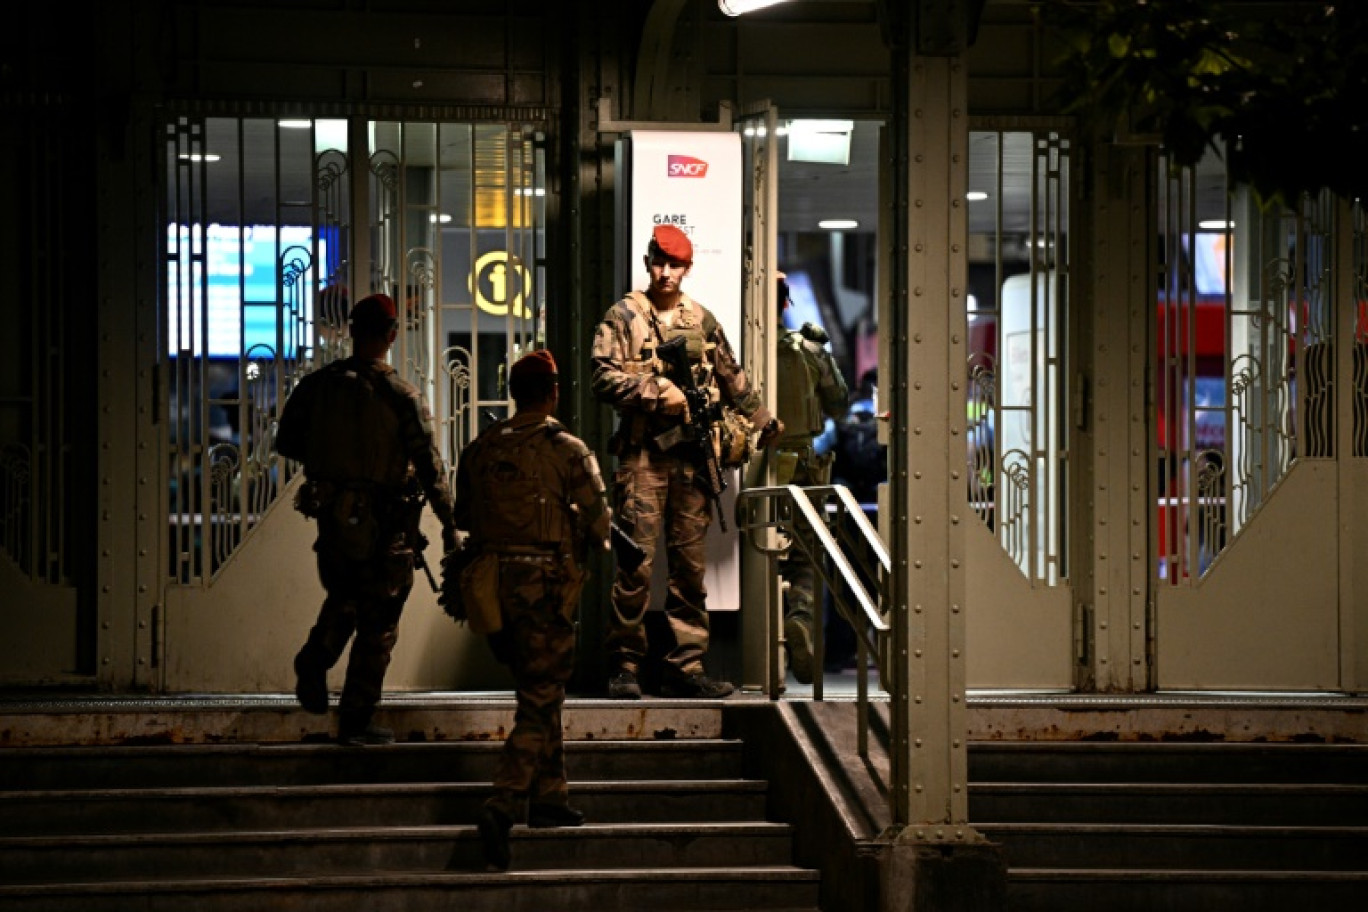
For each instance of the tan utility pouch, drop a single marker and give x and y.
(480, 594)
(785, 466)
(734, 434)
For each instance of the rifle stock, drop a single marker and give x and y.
(628, 553)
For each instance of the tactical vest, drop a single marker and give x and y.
(354, 428)
(696, 343)
(520, 510)
(797, 403)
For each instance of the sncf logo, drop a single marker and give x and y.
(686, 166)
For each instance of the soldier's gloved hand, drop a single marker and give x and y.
(672, 398)
(770, 433)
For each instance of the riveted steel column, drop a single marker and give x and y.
(130, 526)
(1350, 464)
(926, 450)
(1118, 310)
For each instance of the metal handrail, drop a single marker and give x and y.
(791, 511)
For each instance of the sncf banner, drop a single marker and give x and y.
(692, 180)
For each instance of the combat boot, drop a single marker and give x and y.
(311, 685)
(624, 686)
(545, 816)
(494, 825)
(696, 685)
(798, 636)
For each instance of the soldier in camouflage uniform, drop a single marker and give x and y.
(653, 484)
(531, 497)
(365, 439)
(810, 389)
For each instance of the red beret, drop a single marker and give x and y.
(377, 308)
(533, 363)
(673, 243)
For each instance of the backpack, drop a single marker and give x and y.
(861, 461)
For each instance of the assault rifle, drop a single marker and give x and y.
(420, 561)
(700, 415)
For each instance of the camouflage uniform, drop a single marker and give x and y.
(811, 389)
(530, 491)
(365, 439)
(652, 485)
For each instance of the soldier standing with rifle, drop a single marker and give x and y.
(810, 390)
(365, 439)
(664, 474)
(530, 496)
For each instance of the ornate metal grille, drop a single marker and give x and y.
(38, 453)
(254, 296)
(1016, 395)
(257, 261)
(1245, 359)
(457, 236)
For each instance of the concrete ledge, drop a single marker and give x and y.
(267, 719)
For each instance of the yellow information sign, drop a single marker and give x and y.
(498, 282)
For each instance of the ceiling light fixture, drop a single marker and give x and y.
(741, 7)
(435, 218)
(838, 224)
(197, 157)
(820, 141)
(1215, 225)
(294, 124)
(974, 196)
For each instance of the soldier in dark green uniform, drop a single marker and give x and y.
(365, 439)
(810, 390)
(654, 485)
(530, 495)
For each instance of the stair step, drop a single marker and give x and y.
(1055, 889)
(309, 763)
(1190, 847)
(1148, 761)
(58, 859)
(74, 811)
(774, 887)
(1171, 802)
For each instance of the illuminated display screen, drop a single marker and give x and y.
(223, 288)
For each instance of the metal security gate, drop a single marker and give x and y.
(1258, 405)
(273, 228)
(1020, 611)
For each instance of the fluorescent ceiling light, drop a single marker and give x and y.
(1215, 224)
(838, 224)
(443, 218)
(196, 157)
(741, 7)
(530, 191)
(822, 141)
(974, 196)
(331, 134)
(295, 124)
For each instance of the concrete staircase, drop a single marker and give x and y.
(1175, 826)
(673, 824)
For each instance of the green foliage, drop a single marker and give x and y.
(1281, 89)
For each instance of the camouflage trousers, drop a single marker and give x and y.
(364, 600)
(538, 643)
(800, 466)
(653, 490)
